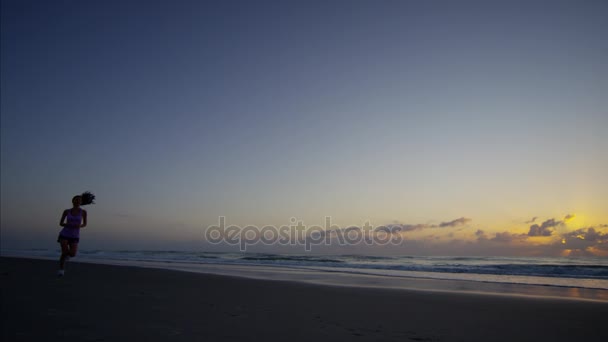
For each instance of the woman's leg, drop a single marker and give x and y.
(73, 249)
(65, 251)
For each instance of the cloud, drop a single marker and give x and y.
(581, 242)
(532, 220)
(588, 234)
(457, 222)
(393, 228)
(585, 241)
(400, 227)
(545, 229)
(502, 237)
(508, 237)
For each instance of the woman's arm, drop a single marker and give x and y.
(84, 219)
(62, 220)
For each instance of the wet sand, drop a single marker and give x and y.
(117, 303)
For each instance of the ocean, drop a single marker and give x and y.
(573, 272)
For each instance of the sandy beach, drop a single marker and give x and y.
(116, 303)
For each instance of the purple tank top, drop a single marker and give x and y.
(72, 227)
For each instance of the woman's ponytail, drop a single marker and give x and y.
(87, 198)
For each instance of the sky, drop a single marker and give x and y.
(469, 127)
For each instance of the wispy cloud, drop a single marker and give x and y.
(399, 227)
(457, 222)
(532, 220)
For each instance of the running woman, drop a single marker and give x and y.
(72, 220)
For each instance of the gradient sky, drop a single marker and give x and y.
(404, 112)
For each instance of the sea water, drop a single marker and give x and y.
(556, 276)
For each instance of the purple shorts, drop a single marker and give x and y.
(69, 239)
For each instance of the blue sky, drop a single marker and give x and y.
(177, 112)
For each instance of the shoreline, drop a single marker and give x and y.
(104, 302)
(360, 280)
